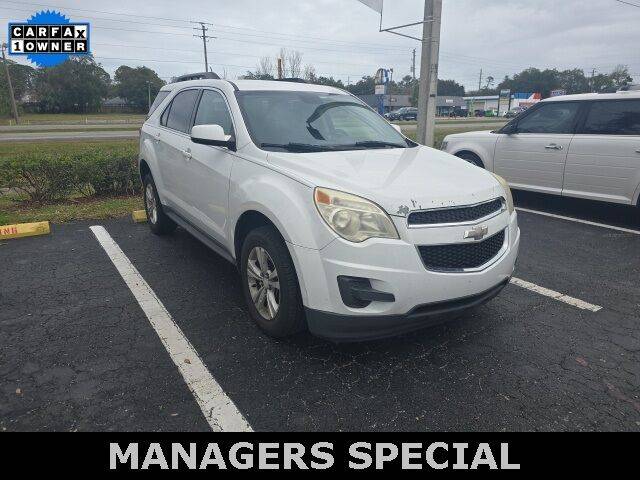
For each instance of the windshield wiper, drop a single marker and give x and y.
(298, 147)
(379, 144)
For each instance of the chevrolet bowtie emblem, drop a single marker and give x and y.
(477, 233)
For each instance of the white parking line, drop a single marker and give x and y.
(555, 295)
(220, 412)
(586, 222)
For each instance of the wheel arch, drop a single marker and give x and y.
(469, 151)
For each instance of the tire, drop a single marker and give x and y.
(289, 315)
(471, 158)
(158, 221)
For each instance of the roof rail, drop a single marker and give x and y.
(196, 76)
(295, 80)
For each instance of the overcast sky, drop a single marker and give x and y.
(340, 38)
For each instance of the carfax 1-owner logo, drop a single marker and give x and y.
(48, 38)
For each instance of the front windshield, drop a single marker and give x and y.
(314, 121)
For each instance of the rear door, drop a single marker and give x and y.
(533, 156)
(173, 141)
(604, 158)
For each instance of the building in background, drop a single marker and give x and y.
(489, 103)
(448, 106)
(389, 102)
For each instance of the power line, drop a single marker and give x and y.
(268, 33)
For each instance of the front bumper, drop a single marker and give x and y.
(395, 267)
(346, 328)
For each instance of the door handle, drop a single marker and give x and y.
(186, 154)
(553, 146)
(638, 150)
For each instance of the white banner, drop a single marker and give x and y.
(374, 4)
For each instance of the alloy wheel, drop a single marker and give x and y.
(264, 284)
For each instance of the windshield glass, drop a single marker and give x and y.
(314, 121)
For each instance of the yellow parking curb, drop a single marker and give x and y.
(24, 230)
(139, 216)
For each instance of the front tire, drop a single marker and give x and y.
(159, 222)
(270, 283)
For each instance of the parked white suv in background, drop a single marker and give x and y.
(335, 220)
(585, 146)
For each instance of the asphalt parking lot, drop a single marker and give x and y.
(77, 352)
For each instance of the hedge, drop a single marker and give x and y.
(46, 176)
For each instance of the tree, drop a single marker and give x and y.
(133, 84)
(329, 81)
(265, 67)
(489, 82)
(76, 85)
(573, 81)
(21, 79)
(364, 86)
(294, 63)
(310, 74)
(450, 88)
(620, 76)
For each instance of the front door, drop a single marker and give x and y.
(533, 156)
(209, 169)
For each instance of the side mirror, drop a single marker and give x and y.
(397, 127)
(212, 135)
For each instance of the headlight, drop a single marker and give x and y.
(507, 192)
(353, 218)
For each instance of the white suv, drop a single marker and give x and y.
(585, 146)
(335, 220)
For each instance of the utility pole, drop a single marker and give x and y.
(148, 95)
(593, 74)
(205, 38)
(14, 109)
(280, 68)
(429, 71)
(413, 64)
(480, 81)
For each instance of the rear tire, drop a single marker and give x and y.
(270, 284)
(471, 158)
(158, 221)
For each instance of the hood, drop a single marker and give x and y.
(399, 179)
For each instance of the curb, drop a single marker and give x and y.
(24, 230)
(139, 216)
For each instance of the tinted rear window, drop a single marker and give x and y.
(616, 117)
(159, 98)
(180, 111)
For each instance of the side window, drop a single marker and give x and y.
(617, 117)
(179, 117)
(213, 110)
(159, 98)
(164, 116)
(553, 117)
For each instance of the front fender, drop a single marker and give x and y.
(287, 203)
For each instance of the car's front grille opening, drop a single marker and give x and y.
(461, 256)
(455, 214)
